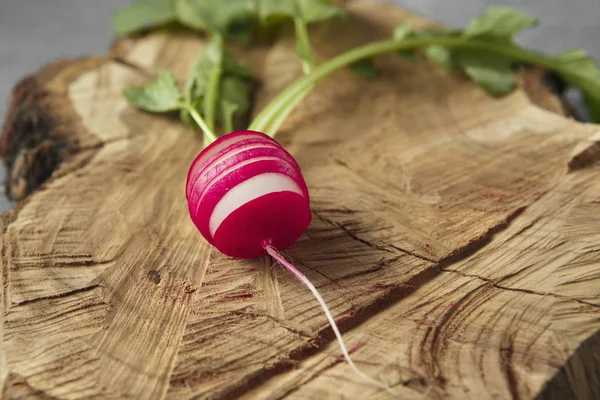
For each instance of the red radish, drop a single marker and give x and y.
(247, 197)
(245, 192)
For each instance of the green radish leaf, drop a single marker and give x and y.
(201, 15)
(500, 22)
(141, 15)
(277, 8)
(189, 15)
(592, 103)
(160, 95)
(232, 67)
(402, 31)
(243, 30)
(492, 72)
(435, 53)
(579, 69)
(199, 79)
(303, 13)
(318, 10)
(234, 87)
(308, 11)
(364, 68)
(236, 91)
(213, 15)
(228, 17)
(212, 55)
(440, 55)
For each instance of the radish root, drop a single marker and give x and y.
(278, 257)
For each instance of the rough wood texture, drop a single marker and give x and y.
(456, 239)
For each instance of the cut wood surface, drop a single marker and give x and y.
(456, 238)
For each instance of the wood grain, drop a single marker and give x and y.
(454, 237)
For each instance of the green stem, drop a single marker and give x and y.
(227, 122)
(285, 112)
(303, 44)
(200, 121)
(299, 89)
(212, 94)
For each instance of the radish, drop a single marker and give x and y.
(245, 193)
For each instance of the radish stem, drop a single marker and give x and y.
(227, 122)
(200, 121)
(214, 84)
(299, 89)
(307, 67)
(278, 257)
(285, 112)
(303, 42)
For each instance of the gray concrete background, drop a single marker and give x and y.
(36, 32)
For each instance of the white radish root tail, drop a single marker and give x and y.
(278, 257)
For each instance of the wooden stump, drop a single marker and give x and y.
(456, 238)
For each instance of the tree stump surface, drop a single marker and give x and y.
(456, 237)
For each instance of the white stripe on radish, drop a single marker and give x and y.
(247, 191)
(234, 169)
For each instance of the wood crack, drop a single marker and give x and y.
(278, 321)
(23, 388)
(506, 357)
(412, 253)
(134, 67)
(57, 296)
(586, 154)
(355, 237)
(495, 283)
(479, 243)
(349, 233)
